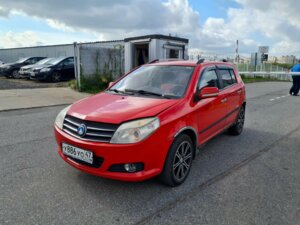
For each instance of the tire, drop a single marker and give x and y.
(15, 74)
(56, 77)
(178, 162)
(237, 127)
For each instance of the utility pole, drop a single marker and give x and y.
(237, 57)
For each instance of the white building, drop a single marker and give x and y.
(288, 59)
(139, 50)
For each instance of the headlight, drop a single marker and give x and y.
(61, 116)
(45, 70)
(135, 131)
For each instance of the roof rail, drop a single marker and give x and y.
(164, 60)
(153, 61)
(200, 61)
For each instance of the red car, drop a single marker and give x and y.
(150, 121)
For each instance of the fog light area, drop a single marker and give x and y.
(127, 167)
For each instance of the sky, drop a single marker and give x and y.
(212, 26)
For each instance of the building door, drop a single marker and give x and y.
(141, 54)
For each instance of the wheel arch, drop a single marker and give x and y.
(192, 133)
(244, 105)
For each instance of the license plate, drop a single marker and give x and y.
(77, 153)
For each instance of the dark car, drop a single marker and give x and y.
(55, 70)
(12, 69)
(26, 70)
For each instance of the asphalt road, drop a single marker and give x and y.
(249, 179)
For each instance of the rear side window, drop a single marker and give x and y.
(226, 77)
(69, 61)
(209, 79)
(233, 76)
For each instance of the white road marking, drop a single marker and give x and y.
(279, 97)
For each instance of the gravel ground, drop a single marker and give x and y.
(6, 84)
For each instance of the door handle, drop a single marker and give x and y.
(224, 100)
(239, 92)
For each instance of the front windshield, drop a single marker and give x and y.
(21, 60)
(43, 61)
(55, 61)
(169, 81)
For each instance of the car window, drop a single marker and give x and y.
(164, 80)
(31, 60)
(55, 61)
(226, 77)
(208, 79)
(69, 61)
(233, 76)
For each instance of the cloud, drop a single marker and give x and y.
(253, 23)
(3, 12)
(11, 39)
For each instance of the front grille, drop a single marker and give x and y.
(97, 132)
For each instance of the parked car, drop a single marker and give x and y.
(151, 121)
(25, 71)
(58, 69)
(12, 69)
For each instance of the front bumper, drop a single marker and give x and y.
(39, 75)
(24, 74)
(151, 152)
(6, 72)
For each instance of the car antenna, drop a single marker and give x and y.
(200, 61)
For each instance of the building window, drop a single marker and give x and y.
(172, 53)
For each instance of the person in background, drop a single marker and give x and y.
(296, 80)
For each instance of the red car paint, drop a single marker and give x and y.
(203, 119)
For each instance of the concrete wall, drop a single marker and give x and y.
(101, 61)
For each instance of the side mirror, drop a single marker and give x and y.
(208, 92)
(110, 84)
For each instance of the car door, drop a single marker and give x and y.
(210, 112)
(232, 91)
(68, 68)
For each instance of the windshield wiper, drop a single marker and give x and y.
(119, 91)
(143, 92)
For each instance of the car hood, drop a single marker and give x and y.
(8, 64)
(113, 108)
(27, 67)
(39, 67)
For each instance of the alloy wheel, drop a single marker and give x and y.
(241, 119)
(182, 161)
(16, 74)
(56, 77)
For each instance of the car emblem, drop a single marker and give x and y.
(81, 130)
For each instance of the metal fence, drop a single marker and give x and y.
(265, 67)
(284, 76)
